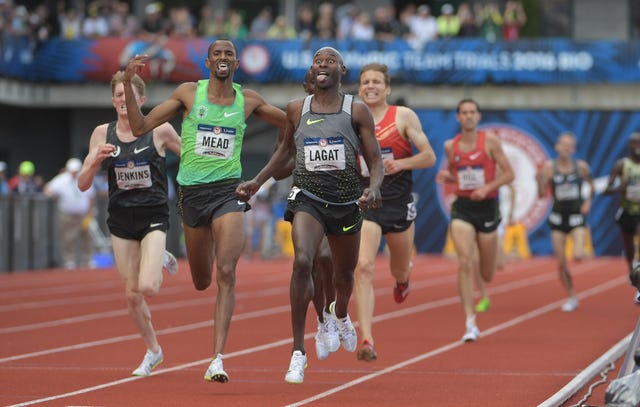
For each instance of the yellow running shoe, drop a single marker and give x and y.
(483, 305)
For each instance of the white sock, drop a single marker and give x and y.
(471, 321)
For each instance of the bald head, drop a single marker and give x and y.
(330, 51)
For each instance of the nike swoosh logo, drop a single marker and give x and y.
(348, 228)
(230, 114)
(240, 202)
(139, 150)
(310, 122)
(155, 225)
(474, 155)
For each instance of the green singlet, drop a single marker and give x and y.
(212, 138)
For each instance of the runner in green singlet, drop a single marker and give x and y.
(214, 113)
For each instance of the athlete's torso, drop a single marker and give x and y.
(631, 177)
(566, 189)
(393, 146)
(327, 148)
(136, 172)
(212, 138)
(472, 169)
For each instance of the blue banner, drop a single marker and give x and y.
(455, 61)
(528, 139)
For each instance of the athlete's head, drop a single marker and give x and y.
(634, 145)
(466, 101)
(468, 114)
(374, 84)
(117, 91)
(328, 68)
(566, 144)
(377, 67)
(136, 82)
(222, 58)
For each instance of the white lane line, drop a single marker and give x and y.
(500, 327)
(523, 283)
(121, 312)
(287, 341)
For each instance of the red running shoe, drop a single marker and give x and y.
(400, 291)
(366, 352)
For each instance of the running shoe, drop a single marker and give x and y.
(400, 291)
(570, 305)
(346, 331)
(332, 339)
(215, 372)
(170, 263)
(295, 374)
(366, 352)
(150, 361)
(483, 305)
(472, 334)
(327, 337)
(321, 341)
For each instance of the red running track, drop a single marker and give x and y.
(66, 340)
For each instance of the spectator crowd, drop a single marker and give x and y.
(415, 23)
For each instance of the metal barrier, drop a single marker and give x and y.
(29, 232)
(5, 233)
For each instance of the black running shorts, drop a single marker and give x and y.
(483, 215)
(199, 205)
(395, 215)
(133, 223)
(337, 220)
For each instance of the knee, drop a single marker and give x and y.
(365, 269)
(201, 283)
(134, 298)
(465, 264)
(149, 289)
(302, 264)
(226, 276)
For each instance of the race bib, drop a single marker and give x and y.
(412, 211)
(324, 154)
(132, 174)
(576, 219)
(387, 154)
(470, 178)
(567, 192)
(633, 193)
(215, 141)
(293, 193)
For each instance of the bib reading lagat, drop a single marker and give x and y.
(216, 141)
(321, 154)
(132, 174)
(470, 177)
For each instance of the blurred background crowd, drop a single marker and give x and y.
(414, 22)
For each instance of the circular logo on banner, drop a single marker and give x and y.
(526, 155)
(254, 59)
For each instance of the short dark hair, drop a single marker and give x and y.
(468, 100)
(227, 39)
